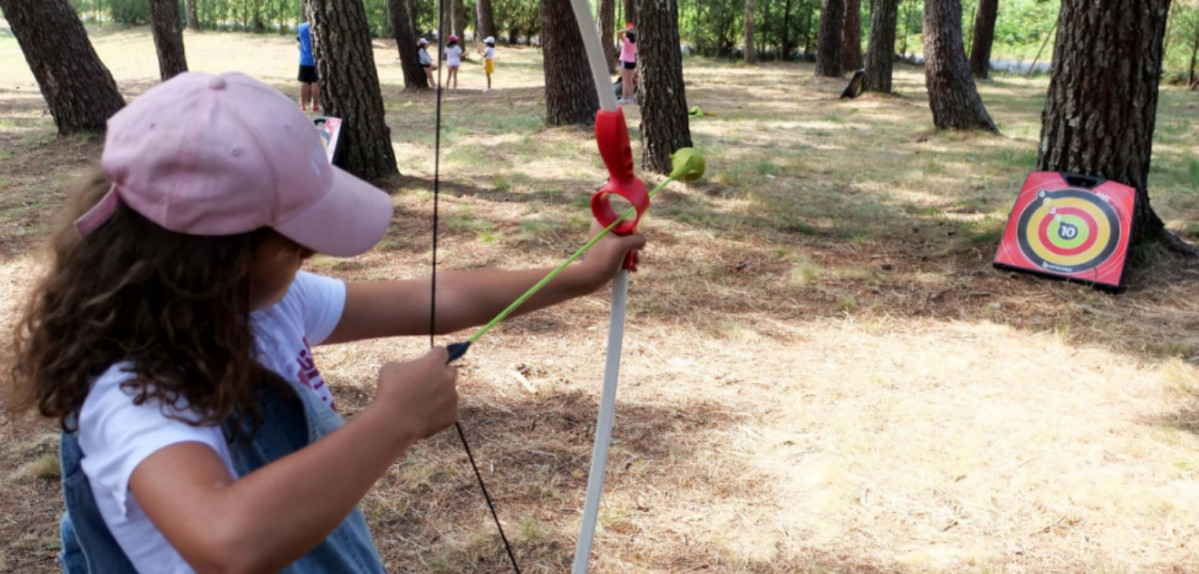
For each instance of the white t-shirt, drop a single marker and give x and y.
(453, 55)
(489, 53)
(117, 435)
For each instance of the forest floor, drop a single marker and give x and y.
(822, 370)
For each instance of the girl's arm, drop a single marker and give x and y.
(273, 516)
(469, 298)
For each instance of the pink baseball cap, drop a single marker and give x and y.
(221, 155)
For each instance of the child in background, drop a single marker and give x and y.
(310, 90)
(453, 61)
(488, 60)
(426, 62)
(170, 338)
(628, 64)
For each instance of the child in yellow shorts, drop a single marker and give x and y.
(488, 60)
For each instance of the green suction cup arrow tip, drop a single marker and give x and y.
(686, 165)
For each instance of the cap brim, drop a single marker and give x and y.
(349, 220)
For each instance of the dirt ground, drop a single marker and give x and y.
(822, 372)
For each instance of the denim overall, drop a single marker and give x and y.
(291, 420)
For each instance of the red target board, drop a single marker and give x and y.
(1069, 226)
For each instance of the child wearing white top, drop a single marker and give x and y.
(154, 330)
(488, 60)
(453, 60)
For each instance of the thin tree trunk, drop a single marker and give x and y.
(168, 38)
(788, 46)
(607, 27)
(830, 61)
(77, 87)
(984, 37)
(630, 11)
(1191, 78)
(751, 55)
(459, 13)
(952, 95)
(1033, 66)
(193, 21)
(880, 51)
(570, 96)
(664, 121)
(851, 35)
(484, 19)
(401, 26)
(349, 85)
(1102, 104)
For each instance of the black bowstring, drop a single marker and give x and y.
(433, 279)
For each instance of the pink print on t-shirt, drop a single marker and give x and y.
(311, 376)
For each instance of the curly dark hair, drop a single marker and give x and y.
(175, 307)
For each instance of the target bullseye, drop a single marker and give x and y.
(1068, 230)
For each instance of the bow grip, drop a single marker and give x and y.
(612, 137)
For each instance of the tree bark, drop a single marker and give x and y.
(459, 13)
(570, 96)
(751, 55)
(77, 87)
(484, 19)
(193, 21)
(984, 36)
(952, 95)
(630, 12)
(830, 61)
(1100, 113)
(607, 27)
(880, 49)
(349, 82)
(1192, 80)
(401, 26)
(168, 38)
(851, 35)
(664, 120)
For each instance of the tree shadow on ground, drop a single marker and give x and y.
(534, 453)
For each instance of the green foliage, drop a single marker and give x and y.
(1182, 39)
(717, 27)
(131, 12)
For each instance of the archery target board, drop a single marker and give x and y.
(1071, 227)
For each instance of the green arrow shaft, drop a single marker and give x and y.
(549, 277)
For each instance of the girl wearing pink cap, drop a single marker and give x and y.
(171, 337)
(453, 61)
(628, 64)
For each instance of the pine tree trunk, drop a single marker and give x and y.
(830, 61)
(1102, 103)
(459, 21)
(1192, 80)
(984, 36)
(570, 96)
(77, 87)
(664, 121)
(952, 95)
(751, 55)
(168, 38)
(349, 85)
(607, 28)
(630, 12)
(401, 26)
(851, 35)
(484, 19)
(193, 21)
(880, 50)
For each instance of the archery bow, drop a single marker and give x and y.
(612, 139)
